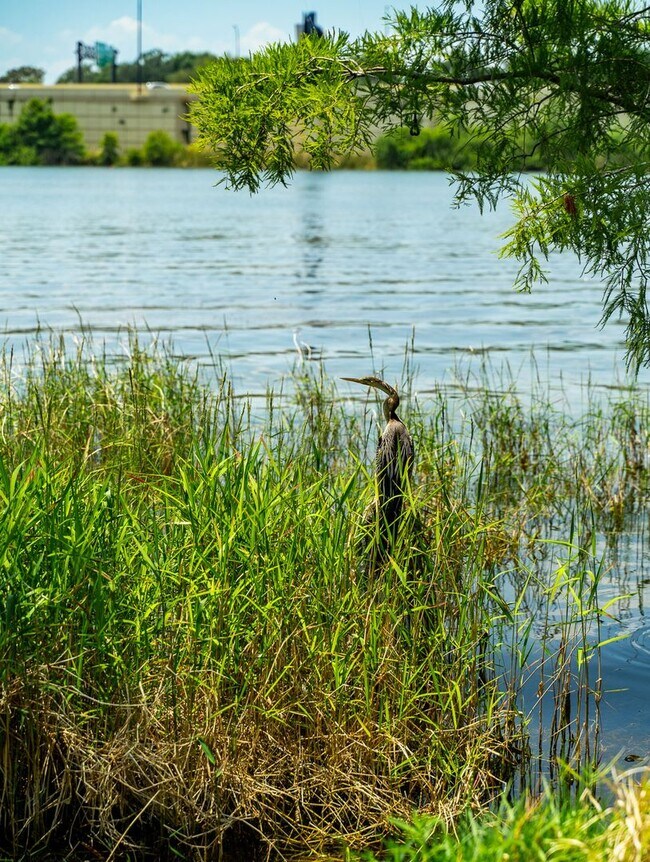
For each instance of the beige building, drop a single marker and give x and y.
(129, 110)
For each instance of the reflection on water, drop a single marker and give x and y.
(626, 662)
(312, 234)
(344, 266)
(609, 691)
(333, 254)
(573, 489)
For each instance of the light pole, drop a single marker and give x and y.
(139, 71)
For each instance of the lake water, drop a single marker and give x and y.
(333, 255)
(341, 257)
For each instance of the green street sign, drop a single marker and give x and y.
(104, 54)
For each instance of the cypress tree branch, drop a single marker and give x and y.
(569, 82)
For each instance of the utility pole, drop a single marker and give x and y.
(235, 27)
(139, 46)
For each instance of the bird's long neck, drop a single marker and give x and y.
(390, 406)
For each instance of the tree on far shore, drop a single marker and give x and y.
(41, 137)
(23, 75)
(564, 82)
(156, 66)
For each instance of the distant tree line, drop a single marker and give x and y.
(41, 137)
(437, 148)
(23, 75)
(156, 66)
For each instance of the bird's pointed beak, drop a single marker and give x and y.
(375, 382)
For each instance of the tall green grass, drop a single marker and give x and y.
(194, 654)
(546, 829)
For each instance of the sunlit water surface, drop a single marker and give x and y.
(335, 261)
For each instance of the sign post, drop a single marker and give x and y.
(101, 53)
(104, 56)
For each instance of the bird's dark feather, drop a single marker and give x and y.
(394, 465)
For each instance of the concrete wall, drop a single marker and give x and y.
(125, 109)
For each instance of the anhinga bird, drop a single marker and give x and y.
(394, 462)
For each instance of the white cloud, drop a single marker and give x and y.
(56, 69)
(8, 37)
(122, 33)
(261, 34)
(8, 43)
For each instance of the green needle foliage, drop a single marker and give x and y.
(564, 84)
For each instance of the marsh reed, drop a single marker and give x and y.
(193, 659)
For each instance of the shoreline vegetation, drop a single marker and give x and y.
(40, 137)
(585, 830)
(197, 662)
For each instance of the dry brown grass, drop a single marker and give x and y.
(146, 783)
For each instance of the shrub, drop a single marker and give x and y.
(55, 139)
(109, 149)
(161, 150)
(133, 157)
(431, 149)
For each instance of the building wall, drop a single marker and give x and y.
(131, 112)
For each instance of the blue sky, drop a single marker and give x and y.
(44, 33)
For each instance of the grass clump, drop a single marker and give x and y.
(192, 652)
(194, 656)
(546, 829)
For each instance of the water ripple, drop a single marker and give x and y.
(165, 250)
